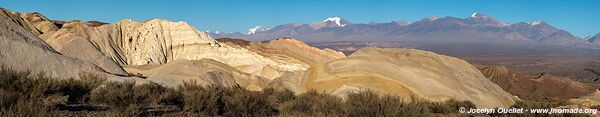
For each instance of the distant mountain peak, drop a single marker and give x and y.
(536, 22)
(478, 14)
(482, 19)
(341, 22)
(214, 32)
(432, 18)
(257, 29)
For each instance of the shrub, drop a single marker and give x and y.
(79, 90)
(241, 102)
(27, 108)
(595, 107)
(20, 96)
(227, 101)
(314, 103)
(365, 103)
(279, 96)
(198, 99)
(396, 107)
(368, 103)
(127, 95)
(171, 97)
(449, 106)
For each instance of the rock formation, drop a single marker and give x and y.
(204, 72)
(296, 50)
(407, 73)
(39, 22)
(22, 50)
(72, 45)
(159, 41)
(591, 99)
(539, 86)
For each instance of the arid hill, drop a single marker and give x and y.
(407, 73)
(22, 50)
(169, 53)
(541, 86)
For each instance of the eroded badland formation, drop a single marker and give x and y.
(171, 53)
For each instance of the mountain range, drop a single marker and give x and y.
(478, 28)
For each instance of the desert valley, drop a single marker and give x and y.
(158, 67)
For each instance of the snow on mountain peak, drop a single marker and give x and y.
(337, 20)
(214, 32)
(257, 29)
(476, 14)
(479, 15)
(537, 22)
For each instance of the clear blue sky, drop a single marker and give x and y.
(580, 17)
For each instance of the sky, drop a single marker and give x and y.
(580, 17)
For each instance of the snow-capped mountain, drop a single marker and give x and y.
(339, 22)
(257, 29)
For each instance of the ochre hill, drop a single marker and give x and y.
(408, 73)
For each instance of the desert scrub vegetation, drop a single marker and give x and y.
(24, 94)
